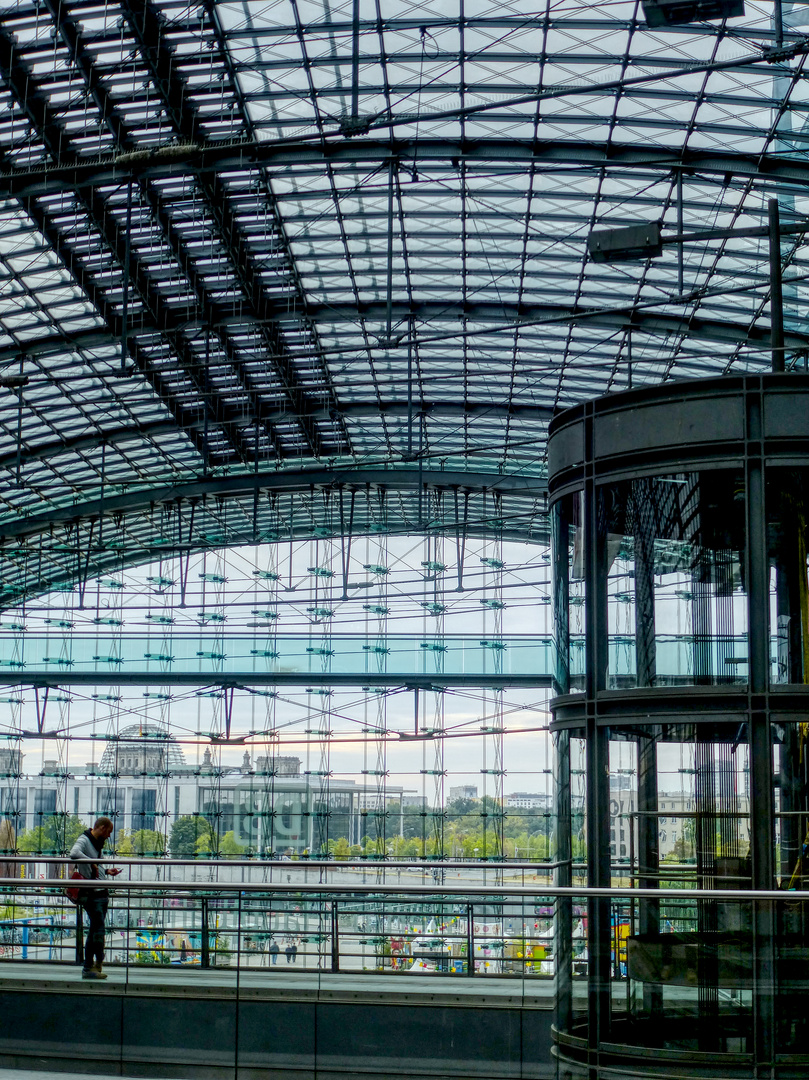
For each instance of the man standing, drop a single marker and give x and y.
(86, 852)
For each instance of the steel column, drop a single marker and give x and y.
(762, 820)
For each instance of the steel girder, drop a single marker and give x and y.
(176, 158)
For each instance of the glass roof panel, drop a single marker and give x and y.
(250, 237)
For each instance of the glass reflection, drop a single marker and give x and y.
(787, 505)
(674, 550)
(681, 967)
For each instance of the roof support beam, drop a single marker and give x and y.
(393, 479)
(351, 411)
(67, 677)
(81, 56)
(163, 320)
(174, 160)
(498, 317)
(643, 320)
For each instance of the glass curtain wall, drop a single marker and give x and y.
(688, 719)
(674, 546)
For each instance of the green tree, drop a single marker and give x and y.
(205, 844)
(229, 845)
(459, 808)
(190, 834)
(342, 849)
(123, 843)
(55, 836)
(8, 841)
(147, 842)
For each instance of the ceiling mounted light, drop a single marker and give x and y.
(621, 245)
(679, 12)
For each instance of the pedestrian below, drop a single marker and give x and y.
(288, 951)
(86, 852)
(294, 949)
(274, 951)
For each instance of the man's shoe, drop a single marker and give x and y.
(98, 966)
(91, 973)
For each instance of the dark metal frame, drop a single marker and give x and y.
(757, 422)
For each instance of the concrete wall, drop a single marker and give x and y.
(95, 1030)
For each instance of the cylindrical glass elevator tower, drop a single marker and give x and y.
(680, 522)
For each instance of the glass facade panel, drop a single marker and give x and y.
(791, 967)
(567, 524)
(676, 604)
(144, 808)
(110, 802)
(679, 821)
(787, 524)
(233, 654)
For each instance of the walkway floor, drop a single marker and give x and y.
(280, 982)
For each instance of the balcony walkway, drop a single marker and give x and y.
(268, 1024)
(282, 982)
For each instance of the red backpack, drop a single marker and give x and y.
(74, 894)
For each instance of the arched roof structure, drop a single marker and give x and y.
(269, 269)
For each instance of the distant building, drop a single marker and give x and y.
(463, 791)
(375, 800)
(623, 819)
(676, 821)
(527, 800)
(143, 781)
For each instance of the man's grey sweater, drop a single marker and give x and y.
(86, 856)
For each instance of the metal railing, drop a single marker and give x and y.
(467, 926)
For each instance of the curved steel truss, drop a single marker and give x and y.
(239, 240)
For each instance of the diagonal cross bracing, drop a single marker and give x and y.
(147, 28)
(155, 318)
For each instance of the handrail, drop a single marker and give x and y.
(376, 889)
(305, 863)
(367, 863)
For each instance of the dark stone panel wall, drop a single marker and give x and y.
(208, 1038)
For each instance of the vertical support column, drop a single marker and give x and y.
(470, 938)
(563, 877)
(762, 812)
(79, 934)
(597, 758)
(648, 856)
(778, 23)
(595, 578)
(643, 538)
(563, 853)
(560, 592)
(776, 290)
(598, 876)
(643, 535)
(205, 943)
(335, 936)
(355, 59)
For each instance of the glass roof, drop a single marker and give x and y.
(249, 238)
